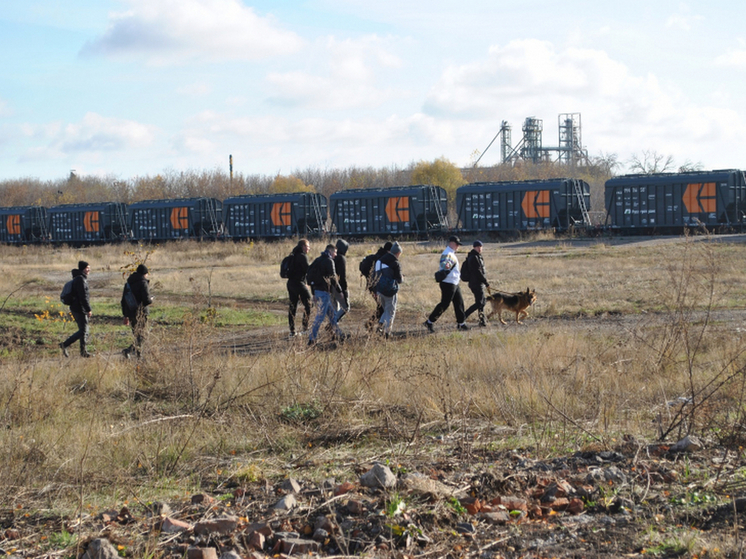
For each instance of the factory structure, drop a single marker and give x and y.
(568, 151)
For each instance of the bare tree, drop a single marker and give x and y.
(651, 162)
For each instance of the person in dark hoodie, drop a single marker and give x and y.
(342, 303)
(477, 281)
(80, 309)
(370, 284)
(137, 317)
(389, 276)
(298, 287)
(322, 277)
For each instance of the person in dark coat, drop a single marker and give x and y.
(80, 309)
(375, 319)
(298, 287)
(388, 266)
(322, 278)
(477, 281)
(137, 318)
(342, 303)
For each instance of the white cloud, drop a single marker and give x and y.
(5, 109)
(93, 134)
(180, 31)
(735, 58)
(683, 19)
(350, 81)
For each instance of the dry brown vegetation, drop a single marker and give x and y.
(622, 330)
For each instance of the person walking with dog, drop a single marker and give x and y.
(474, 274)
(80, 309)
(298, 290)
(450, 292)
(388, 277)
(137, 316)
(322, 277)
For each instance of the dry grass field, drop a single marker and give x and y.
(630, 339)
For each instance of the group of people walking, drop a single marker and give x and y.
(322, 281)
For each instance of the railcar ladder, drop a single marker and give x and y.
(317, 214)
(581, 201)
(212, 213)
(435, 199)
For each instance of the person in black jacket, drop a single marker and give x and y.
(322, 277)
(477, 281)
(389, 268)
(373, 320)
(341, 303)
(80, 309)
(137, 318)
(298, 287)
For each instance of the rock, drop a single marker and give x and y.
(687, 444)
(576, 506)
(158, 508)
(288, 502)
(324, 523)
(100, 548)
(202, 553)
(230, 555)
(174, 526)
(256, 540)
(202, 499)
(466, 528)
(499, 517)
(298, 546)
(514, 503)
(379, 476)
(221, 525)
(345, 487)
(290, 486)
(320, 535)
(418, 483)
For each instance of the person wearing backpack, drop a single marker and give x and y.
(474, 274)
(450, 292)
(137, 316)
(298, 287)
(80, 309)
(388, 277)
(342, 302)
(367, 268)
(322, 277)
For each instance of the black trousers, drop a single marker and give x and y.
(480, 300)
(449, 292)
(298, 292)
(81, 319)
(138, 322)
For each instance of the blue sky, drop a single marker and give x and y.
(128, 88)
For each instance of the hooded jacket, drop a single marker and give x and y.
(299, 266)
(340, 263)
(82, 303)
(140, 287)
(324, 275)
(477, 274)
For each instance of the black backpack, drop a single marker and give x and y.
(366, 265)
(130, 302)
(67, 296)
(286, 266)
(465, 273)
(313, 277)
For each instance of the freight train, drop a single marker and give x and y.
(650, 203)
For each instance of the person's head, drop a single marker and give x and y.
(396, 250)
(342, 246)
(454, 242)
(387, 246)
(478, 246)
(83, 267)
(332, 250)
(304, 245)
(142, 269)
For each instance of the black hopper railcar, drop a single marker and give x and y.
(101, 222)
(400, 210)
(509, 206)
(301, 214)
(23, 225)
(672, 202)
(180, 218)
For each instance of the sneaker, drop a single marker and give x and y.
(126, 353)
(429, 325)
(65, 351)
(311, 343)
(462, 326)
(482, 324)
(85, 354)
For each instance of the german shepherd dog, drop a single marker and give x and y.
(513, 302)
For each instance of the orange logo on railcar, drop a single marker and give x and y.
(180, 218)
(536, 204)
(282, 214)
(14, 225)
(700, 198)
(90, 222)
(397, 209)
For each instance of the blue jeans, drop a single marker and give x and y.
(324, 308)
